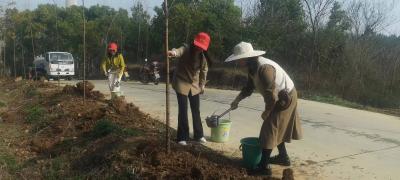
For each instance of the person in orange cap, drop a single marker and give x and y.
(189, 81)
(113, 66)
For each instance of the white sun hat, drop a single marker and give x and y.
(243, 50)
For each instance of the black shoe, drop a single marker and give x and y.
(280, 160)
(259, 171)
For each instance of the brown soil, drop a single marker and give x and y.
(79, 89)
(100, 139)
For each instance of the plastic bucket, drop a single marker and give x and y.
(221, 132)
(251, 152)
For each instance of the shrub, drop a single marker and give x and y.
(34, 114)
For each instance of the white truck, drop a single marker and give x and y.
(54, 65)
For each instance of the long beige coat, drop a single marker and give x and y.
(191, 72)
(277, 127)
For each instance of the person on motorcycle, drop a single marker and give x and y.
(113, 66)
(154, 66)
(155, 71)
(149, 73)
(189, 81)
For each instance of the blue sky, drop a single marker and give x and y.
(393, 28)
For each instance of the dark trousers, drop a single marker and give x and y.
(183, 125)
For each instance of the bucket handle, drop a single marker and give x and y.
(241, 147)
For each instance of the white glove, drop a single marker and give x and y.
(171, 54)
(202, 88)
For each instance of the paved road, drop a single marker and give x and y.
(339, 143)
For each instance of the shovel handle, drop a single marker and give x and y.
(223, 114)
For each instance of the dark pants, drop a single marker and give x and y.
(183, 125)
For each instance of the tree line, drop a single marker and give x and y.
(328, 47)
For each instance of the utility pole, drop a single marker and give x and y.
(84, 52)
(3, 52)
(4, 57)
(23, 61)
(167, 147)
(33, 42)
(138, 39)
(15, 69)
(57, 45)
(2, 41)
(8, 5)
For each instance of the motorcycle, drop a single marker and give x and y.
(150, 72)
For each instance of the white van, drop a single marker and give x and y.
(54, 65)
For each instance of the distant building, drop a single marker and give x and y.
(69, 3)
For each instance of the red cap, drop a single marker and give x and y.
(202, 40)
(112, 46)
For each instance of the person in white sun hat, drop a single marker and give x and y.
(281, 120)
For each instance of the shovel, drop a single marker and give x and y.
(213, 120)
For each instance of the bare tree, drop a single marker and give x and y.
(370, 16)
(316, 13)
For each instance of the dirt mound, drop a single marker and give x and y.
(107, 139)
(69, 89)
(80, 89)
(84, 86)
(288, 174)
(98, 154)
(182, 164)
(119, 105)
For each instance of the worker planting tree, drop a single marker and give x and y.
(281, 121)
(189, 81)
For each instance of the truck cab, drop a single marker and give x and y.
(55, 65)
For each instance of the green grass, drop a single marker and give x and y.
(2, 104)
(330, 99)
(125, 175)
(105, 127)
(37, 117)
(31, 92)
(10, 163)
(54, 171)
(34, 114)
(130, 132)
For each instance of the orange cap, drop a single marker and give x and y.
(112, 46)
(202, 40)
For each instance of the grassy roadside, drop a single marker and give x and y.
(10, 163)
(331, 99)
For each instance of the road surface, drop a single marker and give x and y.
(339, 142)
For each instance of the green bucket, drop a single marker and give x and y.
(251, 152)
(221, 132)
(115, 94)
